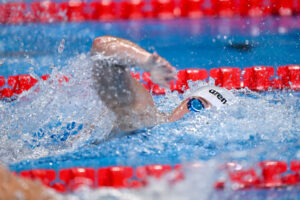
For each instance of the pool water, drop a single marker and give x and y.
(47, 127)
(207, 42)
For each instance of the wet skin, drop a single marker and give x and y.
(131, 103)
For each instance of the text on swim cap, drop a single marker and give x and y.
(219, 96)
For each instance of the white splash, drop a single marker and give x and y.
(33, 126)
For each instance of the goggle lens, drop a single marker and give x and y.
(195, 105)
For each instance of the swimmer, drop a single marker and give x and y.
(14, 187)
(131, 103)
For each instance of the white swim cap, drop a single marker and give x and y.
(216, 96)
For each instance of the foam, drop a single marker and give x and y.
(49, 110)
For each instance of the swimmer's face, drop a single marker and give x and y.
(202, 102)
(182, 109)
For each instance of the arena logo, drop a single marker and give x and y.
(219, 96)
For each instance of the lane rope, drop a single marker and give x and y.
(257, 78)
(265, 175)
(108, 10)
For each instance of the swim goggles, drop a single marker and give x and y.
(195, 105)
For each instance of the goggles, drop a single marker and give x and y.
(195, 105)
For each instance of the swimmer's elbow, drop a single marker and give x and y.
(102, 44)
(104, 39)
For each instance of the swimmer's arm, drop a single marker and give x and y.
(179, 111)
(182, 109)
(126, 53)
(123, 51)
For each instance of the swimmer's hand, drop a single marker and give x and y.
(161, 70)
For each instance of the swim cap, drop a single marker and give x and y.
(216, 96)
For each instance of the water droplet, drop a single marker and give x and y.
(61, 46)
(2, 61)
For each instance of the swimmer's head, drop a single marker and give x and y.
(205, 97)
(214, 96)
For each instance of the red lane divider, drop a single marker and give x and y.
(46, 11)
(75, 10)
(254, 8)
(14, 13)
(136, 75)
(151, 86)
(191, 8)
(271, 171)
(59, 187)
(283, 7)
(266, 174)
(132, 9)
(163, 9)
(17, 84)
(156, 171)
(270, 174)
(3, 15)
(117, 176)
(76, 177)
(226, 77)
(184, 76)
(6, 92)
(224, 8)
(103, 10)
(258, 78)
(46, 176)
(79, 10)
(290, 76)
(21, 83)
